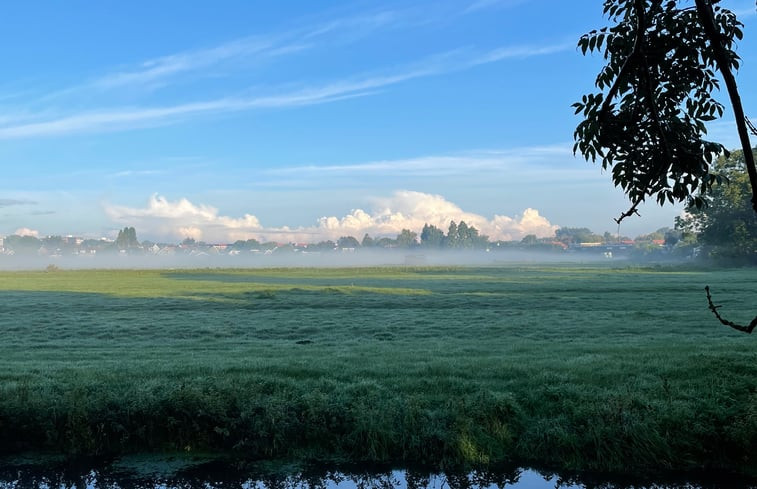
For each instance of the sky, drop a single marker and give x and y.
(304, 121)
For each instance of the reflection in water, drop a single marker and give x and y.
(212, 477)
(178, 474)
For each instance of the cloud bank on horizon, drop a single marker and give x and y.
(27, 232)
(165, 220)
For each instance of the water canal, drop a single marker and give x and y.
(178, 473)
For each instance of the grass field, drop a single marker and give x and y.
(583, 368)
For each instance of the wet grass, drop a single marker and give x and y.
(580, 368)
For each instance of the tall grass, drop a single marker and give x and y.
(579, 368)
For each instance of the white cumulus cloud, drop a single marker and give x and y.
(174, 220)
(181, 219)
(26, 232)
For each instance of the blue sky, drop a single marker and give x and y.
(305, 120)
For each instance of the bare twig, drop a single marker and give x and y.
(750, 125)
(630, 212)
(738, 327)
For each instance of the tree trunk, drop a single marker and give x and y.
(707, 18)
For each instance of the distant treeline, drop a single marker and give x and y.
(683, 242)
(459, 236)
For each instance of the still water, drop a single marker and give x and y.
(180, 472)
(170, 473)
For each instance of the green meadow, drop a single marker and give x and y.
(587, 368)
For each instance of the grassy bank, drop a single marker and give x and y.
(587, 368)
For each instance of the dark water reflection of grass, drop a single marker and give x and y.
(189, 472)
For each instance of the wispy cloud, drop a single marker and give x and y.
(725, 132)
(547, 169)
(530, 158)
(167, 66)
(162, 71)
(486, 4)
(747, 12)
(96, 98)
(11, 202)
(422, 166)
(526, 51)
(130, 118)
(358, 86)
(136, 173)
(108, 120)
(742, 9)
(360, 23)
(165, 71)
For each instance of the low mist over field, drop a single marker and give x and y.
(459, 244)
(306, 259)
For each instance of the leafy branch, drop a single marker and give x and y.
(655, 97)
(648, 88)
(649, 118)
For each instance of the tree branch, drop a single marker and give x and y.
(646, 78)
(651, 104)
(738, 327)
(630, 212)
(633, 210)
(706, 16)
(627, 64)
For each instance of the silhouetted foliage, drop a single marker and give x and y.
(432, 236)
(647, 122)
(246, 245)
(367, 241)
(348, 242)
(407, 239)
(570, 236)
(23, 245)
(726, 225)
(127, 238)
